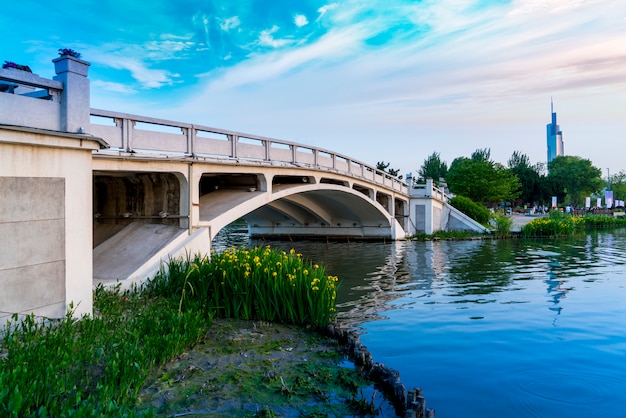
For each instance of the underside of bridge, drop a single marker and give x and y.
(122, 198)
(298, 207)
(140, 216)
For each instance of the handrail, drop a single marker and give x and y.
(126, 137)
(29, 79)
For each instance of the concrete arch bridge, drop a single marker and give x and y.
(159, 177)
(164, 186)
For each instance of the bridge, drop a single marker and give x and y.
(114, 194)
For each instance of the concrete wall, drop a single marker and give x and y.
(45, 223)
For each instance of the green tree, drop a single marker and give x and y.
(574, 178)
(383, 166)
(529, 178)
(482, 180)
(432, 168)
(617, 183)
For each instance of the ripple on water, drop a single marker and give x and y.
(547, 389)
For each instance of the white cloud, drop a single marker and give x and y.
(229, 23)
(148, 78)
(300, 20)
(113, 87)
(325, 9)
(266, 38)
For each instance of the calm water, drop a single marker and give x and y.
(510, 328)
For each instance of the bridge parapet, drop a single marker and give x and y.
(145, 136)
(60, 104)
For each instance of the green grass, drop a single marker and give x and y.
(92, 366)
(563, 224)
(445, 235)
(96, 365)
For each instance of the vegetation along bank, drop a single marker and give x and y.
(245, 333)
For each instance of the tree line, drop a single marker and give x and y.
(570, 178)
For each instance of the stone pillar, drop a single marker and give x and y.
(429, 227)
(75, 100)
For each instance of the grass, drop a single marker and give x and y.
(563, 224)
(444, 235)
(96, 365)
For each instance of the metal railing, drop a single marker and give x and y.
(126, 133)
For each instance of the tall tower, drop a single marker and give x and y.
(554, 137)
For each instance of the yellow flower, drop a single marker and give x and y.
(274, 274)
(315, 288)
(315, 266)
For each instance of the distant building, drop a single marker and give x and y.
(554, 137)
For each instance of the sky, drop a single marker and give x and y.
(376, 80)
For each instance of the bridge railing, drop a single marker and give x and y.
(25, 94)
(127, 133)
(429, 190)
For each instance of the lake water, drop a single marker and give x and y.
(503, 328)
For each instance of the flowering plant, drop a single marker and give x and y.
(67, 51)
(9, 64)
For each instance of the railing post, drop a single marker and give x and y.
(266, 146)
(233, 145)
(75, 101)
(294, 155)
(191, 139)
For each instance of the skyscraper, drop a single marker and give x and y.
(554, 137)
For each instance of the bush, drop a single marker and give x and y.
(472, 209)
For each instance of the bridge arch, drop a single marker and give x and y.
(305, 210)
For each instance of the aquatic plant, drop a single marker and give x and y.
(559, 224)
(259, 283)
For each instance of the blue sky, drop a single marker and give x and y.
(390, 80)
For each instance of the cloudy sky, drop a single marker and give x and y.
(377, 80)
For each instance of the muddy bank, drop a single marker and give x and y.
(247, 368)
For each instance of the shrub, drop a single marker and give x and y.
(472, 209)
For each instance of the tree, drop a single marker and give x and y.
(383, 166)
(529, 177)
(482, 180)
(575, 178)
(432, 168)
(617, 183)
